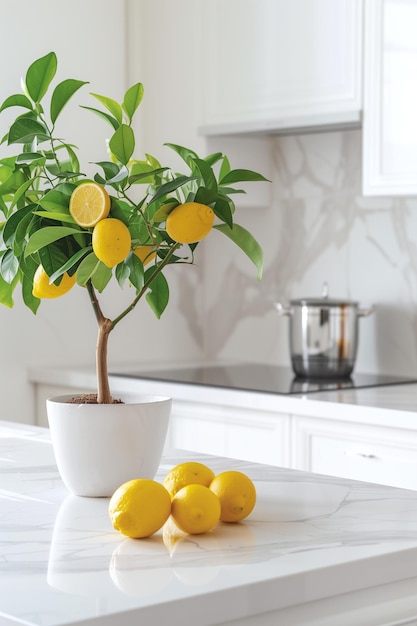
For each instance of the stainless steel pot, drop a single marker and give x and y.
(323, 335)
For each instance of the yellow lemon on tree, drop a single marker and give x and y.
(237, 495)
(139, 507)
(145, 253)
(111, 241)
(189, 473)
(43, 288)
(189, 222)
(89, 203)
(195, 509)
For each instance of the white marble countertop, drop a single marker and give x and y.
(315, 551)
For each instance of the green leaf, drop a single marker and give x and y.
(29, 299)
(136, 272)
(219, 203)
(13, 183)
(238, 176)
(17, 100)
(61, 94)
(20, 236)
(6, 293)
(122, 274)
(172, 185)
(105, 116)
(214, 158)
(122, 144)
(9, 266)
(146, 175)
(40, 75)
(207, 174)
(30, 158)
(111, 105)
(28, 268)
(246, 242)
(52, 258)
(55, 216)
(47, 235)
(8, 163)
(132, 99)
(113, 173)
(164, 210)
(25, 130)
(223, 210)
(101, 276)
(70, 263)
(224, 168)
(10, 227)
(87, 268)
(75, 164)
(158, 294)
(186, 154)
(55, 201)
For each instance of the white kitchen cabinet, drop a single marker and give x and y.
(374, 454)
(275, 65)
(390, 98)
(247, 434)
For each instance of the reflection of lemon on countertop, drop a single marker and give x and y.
(141, 572)
(171, 534)
(188, 473)
(139, 507)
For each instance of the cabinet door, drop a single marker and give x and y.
(244, 434)
(379, 455)
(390, 98)
(273, 64)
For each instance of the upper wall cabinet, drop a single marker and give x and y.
(390, 98)
(276, 65)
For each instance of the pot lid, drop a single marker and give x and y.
(329, 302)
(324, 300)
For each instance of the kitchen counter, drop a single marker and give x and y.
(383, 406)
(315, 551)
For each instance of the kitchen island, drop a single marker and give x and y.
(315, 551)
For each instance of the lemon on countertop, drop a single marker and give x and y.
(195, 509)
(188, 473)
(237, 495)
(139, 507)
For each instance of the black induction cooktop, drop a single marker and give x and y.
(263, 378)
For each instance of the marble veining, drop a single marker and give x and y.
(320, 228)
(309, 537)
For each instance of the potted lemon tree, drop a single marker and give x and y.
(61, 229)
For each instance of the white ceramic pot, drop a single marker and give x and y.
(100, 446)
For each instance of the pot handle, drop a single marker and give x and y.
(282, 310)
(365, 312)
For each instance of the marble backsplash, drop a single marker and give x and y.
(319, 228)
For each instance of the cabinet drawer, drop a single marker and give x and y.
(372, 454)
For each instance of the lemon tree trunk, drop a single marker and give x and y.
(103, 387)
